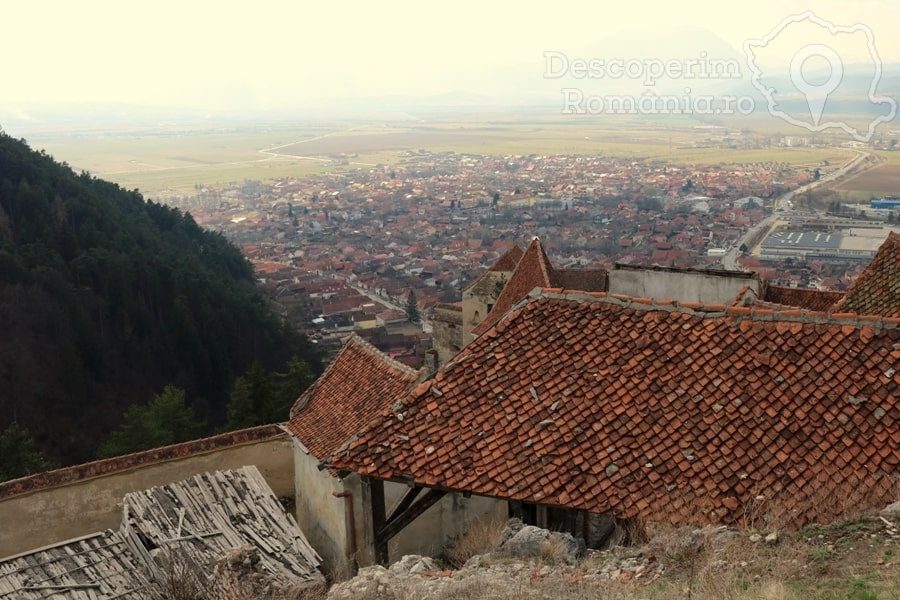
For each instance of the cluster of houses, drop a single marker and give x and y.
(580, 398)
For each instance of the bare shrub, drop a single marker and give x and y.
(481, 537)
(181, 577)
(554, 551)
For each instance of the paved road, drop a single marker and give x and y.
(783, 209)
(426, 324)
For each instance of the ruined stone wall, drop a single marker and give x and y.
(59, 505)
(447, 332)
(479, 298)
(705, 287)
(320, 513)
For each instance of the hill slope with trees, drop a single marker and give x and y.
(106, 299)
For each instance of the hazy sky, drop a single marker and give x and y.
(264, 54)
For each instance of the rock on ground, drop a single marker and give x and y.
(528, 541)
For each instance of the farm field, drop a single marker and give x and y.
(881, 180)
(177, 162)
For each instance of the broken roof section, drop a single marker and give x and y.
(534, 270)
(673, 413)
(806, 298)
(509, 259)
(100, 565)
(359, 383)
(201, 519)
(209, 515)
(505, 264)
(877, 290)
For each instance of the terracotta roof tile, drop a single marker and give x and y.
(534, 270)
(877, 290)
(506, 263)
(809, 299)
(509, 260)
(674, 414)
(360, 383)
(588, 280)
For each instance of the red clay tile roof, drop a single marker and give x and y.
(819, 300)
(358, 384)
(877, 290)
(585, 280)
(678, 413)
(509, 260)
(534, 270)
(506, 263)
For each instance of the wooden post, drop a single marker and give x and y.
(378, 518)
(373, 518)
(586, 527)
(540, 516)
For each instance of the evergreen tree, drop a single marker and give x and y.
(166, 420)
(20, 454)
(107, 296)
(412, 310)
(288, 387)
(252, 398)
(260, 397)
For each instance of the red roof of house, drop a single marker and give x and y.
(509, 259)
(678, 413)
(534, 270)
(807, 298)
(358, 384)
(877, 290)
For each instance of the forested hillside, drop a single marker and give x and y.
(105, 299)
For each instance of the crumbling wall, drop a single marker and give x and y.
(683, 285)
(72, 505)
(479, 298)
(447, 332)
(431, 530)
(320, 513)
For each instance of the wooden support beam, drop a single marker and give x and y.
(408, 516)
(540, 516)
(404, 502)
(373, 515)
(381, 548)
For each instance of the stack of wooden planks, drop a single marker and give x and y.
(200, 520)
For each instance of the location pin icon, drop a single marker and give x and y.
(816, 95)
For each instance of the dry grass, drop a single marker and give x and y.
(853, 559)
(554, 551)
(480, 538)
(185, 579)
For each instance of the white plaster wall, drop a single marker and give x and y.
(682, 287)
(54, 514)
(319, 513)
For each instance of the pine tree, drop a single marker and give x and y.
(260, 397)
(412, 309)
(20, 454)
(166, 420)
(251, 400)
(288, 387)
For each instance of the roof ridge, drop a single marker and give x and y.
(376, 353)
(350, 340)
(543, 260)
(741, 298)
(712, 310)
(873, 287)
